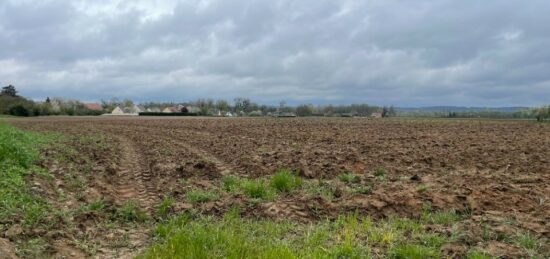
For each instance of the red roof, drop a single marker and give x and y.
(94, 106)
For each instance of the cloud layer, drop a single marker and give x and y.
(407, 53)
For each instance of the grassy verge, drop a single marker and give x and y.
(19, 151)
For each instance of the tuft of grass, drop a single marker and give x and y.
(380, 172)
(231, 183)
(165, 207)
(422, 188)
(131, 212)
(256, 189)
(320, 188)
(200, 196)
(413, 252)
(285, 181)
(477, 254)
(98, 205)
(528, 241)
(349, 178)
(442, 218)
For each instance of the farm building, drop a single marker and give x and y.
(376, 115)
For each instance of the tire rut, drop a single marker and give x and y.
(133, 181)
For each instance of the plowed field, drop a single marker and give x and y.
(496, 172)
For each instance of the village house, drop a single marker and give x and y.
(117, 111)
(93, 106)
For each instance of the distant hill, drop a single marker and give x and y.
(458, 109)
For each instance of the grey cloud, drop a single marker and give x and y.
(383, 52)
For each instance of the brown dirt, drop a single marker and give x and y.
(496, 170)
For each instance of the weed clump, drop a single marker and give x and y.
(256, 189)
(285, 181)
(349, 178)
(200, 196)
(380, 172)
(131, 212)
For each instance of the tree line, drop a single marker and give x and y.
(13, 104)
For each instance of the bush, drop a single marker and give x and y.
(285, 181)
(255, 114)
(19, 110)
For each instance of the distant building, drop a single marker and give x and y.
(134, 110)
(117, 111)
(153, 109)
(376, 115)
(94, 106)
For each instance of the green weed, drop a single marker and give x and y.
(349, 178)
(131, 212)
(285, 181)
(199, 196)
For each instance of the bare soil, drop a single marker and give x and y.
(496, 171)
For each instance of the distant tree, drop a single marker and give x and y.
(222, 105)
(242, 104)
(48, 100)
(127, 103)
(385, 111)
(391, 111)
(9, 91)
(304, 110)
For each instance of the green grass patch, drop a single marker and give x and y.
(165, 207)
(528, 241)
(257, 189)
(349, 236)
(19, 150)
(285, 181)
(477, 254)
(409, 251)
(199, 196)
(131, 212)
(380, 172)
(349, 178)
(422, 188)
(319, 188)
(442, 217)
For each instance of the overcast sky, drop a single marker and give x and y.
(406, 53)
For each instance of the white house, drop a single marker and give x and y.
(117, 111)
